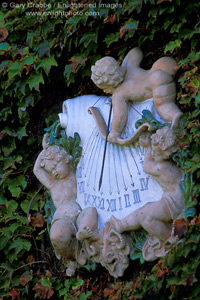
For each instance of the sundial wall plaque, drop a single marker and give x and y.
(125, 179)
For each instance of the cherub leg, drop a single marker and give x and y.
(164, 95)
(87, 223)
(170, 113)
(62, 235)
(153, 217)
(129, 223)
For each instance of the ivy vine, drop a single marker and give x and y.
(46, 53)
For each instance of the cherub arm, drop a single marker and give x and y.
(42, 175)
(150, 166)
(120, 115)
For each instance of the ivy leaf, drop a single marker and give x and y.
(9, 131)
(176, 27)
(35, 79)
(129, 26)
(3, 34)
(172, 46)
(187, 33)
(46, 281)
(50, 27)
(9, 162)
(167, 8)
(5, 175)
(4, 47)
(21, 53)
(16, 184)
(4, 241)
(38, 221)
(1, 18)
(4, 66)
(68, 74)
(111, 38)
(160, 1)
(28, 60)
(77, 19)
(84, 296)
(14, 69)
(21, 132)
(88, 38)
(44, 292)
(197, 99)
(9, 147)
(104, 12)
(111, 19)
(43, 49)
(75, 283)
(34, 205)
(20, 244)
(133, 4)
(180, 227)
(26, 277)
(15, 293)
(5, 112)
(77, 60)
(46, 63)
(20, 86)
(31, 37)
(24, 205)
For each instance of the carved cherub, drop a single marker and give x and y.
(129, 82)
(53, 169)
(155, 217)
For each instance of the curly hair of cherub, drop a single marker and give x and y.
(164, 138)
(54, 153)
(107, 71)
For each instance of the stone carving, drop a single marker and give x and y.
(111, 249)
(70, 223)
(156, 217)
(115, 250)
(125, 186)
(129, 82)
(140, 184)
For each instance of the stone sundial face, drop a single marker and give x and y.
(125, 186)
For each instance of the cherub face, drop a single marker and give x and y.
(107, 88)
(58, 169)
(157, 153)
(145, 139)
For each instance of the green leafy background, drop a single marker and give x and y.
(45, 58)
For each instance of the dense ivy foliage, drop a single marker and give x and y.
(46, 52)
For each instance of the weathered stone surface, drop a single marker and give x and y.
(125, 179)
(125, 186)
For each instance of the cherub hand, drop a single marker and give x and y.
(145, 139)
(113, 137)
(45, 141)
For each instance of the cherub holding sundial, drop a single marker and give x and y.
(129, 82)
(155, 217)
